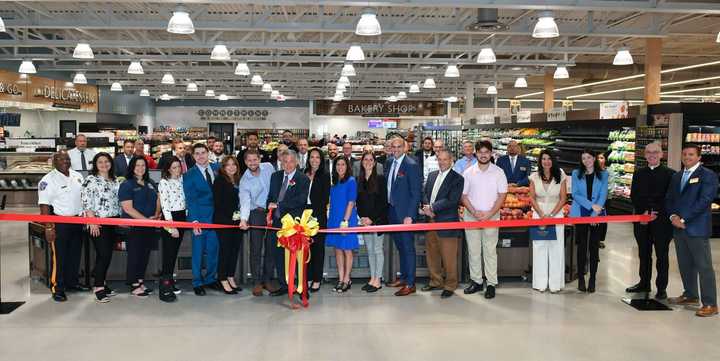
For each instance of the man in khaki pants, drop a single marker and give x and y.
(483, 196)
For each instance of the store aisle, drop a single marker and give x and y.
(518, 325)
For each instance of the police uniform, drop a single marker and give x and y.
(62, 193)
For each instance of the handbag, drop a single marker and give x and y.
(543, 233)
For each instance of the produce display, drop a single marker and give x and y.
(702, 138)
(621, 162)
(625, 135)
(517, 204)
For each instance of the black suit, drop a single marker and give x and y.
(294, 203)
(167, 157)
(447, 199)
(121, 164)
(371, 203)
(225, 196)
(420, 157)
(319, 199)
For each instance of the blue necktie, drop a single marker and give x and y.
(686, 175)
(393, 173)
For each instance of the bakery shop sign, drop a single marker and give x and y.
(380, 108)
(233, 114)
(64, 98)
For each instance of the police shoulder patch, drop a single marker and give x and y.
(42, 185)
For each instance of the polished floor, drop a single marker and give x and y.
(519, 324)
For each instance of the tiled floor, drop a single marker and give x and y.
(518, 325)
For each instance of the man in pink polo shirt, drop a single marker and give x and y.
(483, 196)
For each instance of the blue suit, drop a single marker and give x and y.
(692, 202)
(200, 205)
(404, 200)
(120, 164)
(581, 206)
(519, 174)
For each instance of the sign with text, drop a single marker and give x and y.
(614, 110)
(38, 92)
(380, 108)
(523, 116)
(233, 114)
(375, 123)
(556, 115)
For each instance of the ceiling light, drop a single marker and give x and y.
(83, 51)
(242, 69)
(368, 25)
(220, 52)
(209, 93)
(80, 79)
(452, 71)
(167, 79)
(392, 99)
(344, 80)
(165, 97)
(491, 90)
(429, 84)
(223, 97)
(340, 86)
(605, 92)
(561, 72)
(355, 53)
(274, 93)
(690, 90)
(2, 26)
(414, 88)
(27, 67)
(135, 68)
(116, 87)
(280, 98)
(266, 88)
(192, 87)
(180, 22)
(521, 82)
(402, 95)
(256, 80)
(451, 99)
(337, 98)
(716, 40)
(144, 93)
(348, 70)
(623, 57)
(545, 26)
(486, 56)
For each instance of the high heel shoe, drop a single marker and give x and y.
(232, 291)
(591, 284)
(313, 289)
(346, 287)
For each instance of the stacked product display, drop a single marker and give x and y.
(621, 162)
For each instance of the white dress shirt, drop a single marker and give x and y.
(63, 193)
(75, 158)
(438, 183)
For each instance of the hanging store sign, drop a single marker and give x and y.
(614, 110)
(568, 104)
(523, 116)
(43, 93)
(380, 108)
(64, 97)
(514, 106)
(233, 114)
(556, 115)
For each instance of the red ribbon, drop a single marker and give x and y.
(292, 244)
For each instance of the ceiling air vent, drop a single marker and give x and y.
(487, 21)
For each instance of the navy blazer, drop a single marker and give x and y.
(120, 164)
(295, 200)
(580, 196)
(199, 195)
(693, 203)
(520, 174)
(447, 199)
(406, 190)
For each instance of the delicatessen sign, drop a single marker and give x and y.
(380, 108)
(39, 92)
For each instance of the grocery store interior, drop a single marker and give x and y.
(564, 75)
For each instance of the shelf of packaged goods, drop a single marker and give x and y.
(580, 146)
(582, 137)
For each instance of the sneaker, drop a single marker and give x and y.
(166, 291)
(59, 296)
(101, 297)
(175, 289)
(110, 292)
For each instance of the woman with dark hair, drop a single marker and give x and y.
(548, 194)
(226, 199)
(172, 202)
(318, 198)
(100, 199)
(139, 200)
(589, 192)
(372, 209)
(343, 214)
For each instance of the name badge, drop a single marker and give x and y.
(523, 168)
(693, 180)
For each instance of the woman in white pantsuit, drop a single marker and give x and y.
(548, 193)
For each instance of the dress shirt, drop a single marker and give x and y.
(100, 195)
(462, 164)
(482, 187)
(430, 165)
(302, 160)
(61, 192)
(172, 196)
(513, 161)
(127, 159)
(394, 167)
(254, 189)
(75, 158)
(438, 183)
(207, 167)
(686, 175)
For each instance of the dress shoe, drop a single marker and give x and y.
(446, 294)
(707, 311)
(490, 292)
(684, 301)
(661, 295)
(397, 283)
(474, 287)
(365, 287)
(268, 287)
(405, 291)
(428, 288)
(638, 288)
(279, 292)
(199, 291)
(59, 296)
(313, 290)
(257, 291)
(373, 289)
(77, 288)
(581, 284)
(591, 285)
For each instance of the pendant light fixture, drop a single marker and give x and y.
(180, 22)
(191, 87)
(220, 52)
(209, 93)
(167, 79)
(83, 51)
(402, 95)
(623, 57)
(545, 27)
(27, 67)
(368, 25)
(135, 68)
(486, 56)
(79, 78)
(355, 53)
(451, 99)
(414, 88)
(242, 69)
(342, 87)
(116, 87)
(521, 82)
(223, 97)
(429, 83)
(165, 97)
(256, 80)
(2, 25)
(491, 90)
(266, 88)
(344, 80)
(452, 71)
(561, 72)
(348, 70)
(144, 93)
(392, 99)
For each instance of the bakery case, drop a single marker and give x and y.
(20, 174)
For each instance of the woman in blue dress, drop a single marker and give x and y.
(343, 214)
